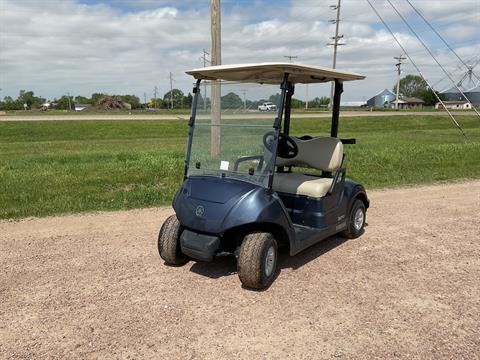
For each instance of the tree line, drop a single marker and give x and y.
(415, 86)
(27, 100)
(174, 99)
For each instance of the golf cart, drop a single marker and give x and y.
(251, 187)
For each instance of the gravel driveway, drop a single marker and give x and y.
(93, 286)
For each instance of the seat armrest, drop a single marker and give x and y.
(338, 180)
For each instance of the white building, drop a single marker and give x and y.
(456, 105)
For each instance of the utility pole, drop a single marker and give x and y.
(215, 60)
(204, 57)
(399, 71)
(244, 91)
(145, 100)
(155, 89)
(335, 44)
(290, 58)
(171, 90)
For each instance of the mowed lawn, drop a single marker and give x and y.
(53, 167)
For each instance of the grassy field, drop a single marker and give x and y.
(72, 166)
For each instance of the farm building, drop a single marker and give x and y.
(405, 102)
(452, 94)
(474, 95)
(381, 100)
(459, 105)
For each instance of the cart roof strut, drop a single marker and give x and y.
(272, 73)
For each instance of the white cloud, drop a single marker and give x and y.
(57, 46)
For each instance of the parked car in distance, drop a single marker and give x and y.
(267, 106)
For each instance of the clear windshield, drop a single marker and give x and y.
(239, 144)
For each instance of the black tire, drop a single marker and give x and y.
(169, 242)
(354, 231)
(251, 266)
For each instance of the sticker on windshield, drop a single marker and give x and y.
(224, 165)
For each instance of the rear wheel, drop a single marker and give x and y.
(356, 220)
(257, 262)
(169, 242)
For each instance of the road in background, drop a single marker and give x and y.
(254, 115)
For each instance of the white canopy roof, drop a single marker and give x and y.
(272, 73)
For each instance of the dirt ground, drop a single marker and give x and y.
(93, 286)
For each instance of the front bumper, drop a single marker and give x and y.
(199, 246)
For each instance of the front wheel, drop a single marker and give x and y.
(169, 242)
(356, 220)
(257, 262)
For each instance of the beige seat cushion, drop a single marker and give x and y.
(300, 184)
(323, 153)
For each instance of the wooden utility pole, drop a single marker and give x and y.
(335, 46)
(215, 91)
(215, 59)
(399, 71)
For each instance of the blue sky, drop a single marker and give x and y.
(128, 46)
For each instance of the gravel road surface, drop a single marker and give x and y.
(93, 286)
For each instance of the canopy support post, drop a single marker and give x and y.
(288, 105)
(336, 107)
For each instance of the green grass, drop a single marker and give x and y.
(52, 167)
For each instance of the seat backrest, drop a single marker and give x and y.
(323, 153)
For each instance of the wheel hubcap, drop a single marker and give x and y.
(358, 219)
(270, 261)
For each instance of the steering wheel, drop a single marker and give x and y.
(287, 147)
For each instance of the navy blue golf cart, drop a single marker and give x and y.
(250, 186)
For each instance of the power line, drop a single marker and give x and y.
(431, 54)
(416, 67)
(441, 37)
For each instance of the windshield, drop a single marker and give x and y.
(239, 144)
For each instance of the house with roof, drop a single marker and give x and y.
(381, 100)
(408, 102)
(455, 105)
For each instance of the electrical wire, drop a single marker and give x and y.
(441, 37)
(432, 55)
(417, 68)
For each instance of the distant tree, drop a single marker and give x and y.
(297, 104)
(429, 97)
(82, 100)
(231, 101)
(275, 98)
(177, 98)
(29, 98)
(412, 85)
(133, 100)
(317, 102)
(65, 103)
(9, 104)
(187, 101)
(96, 97)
